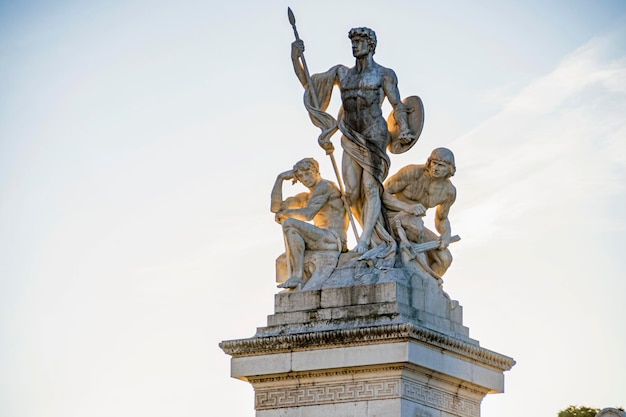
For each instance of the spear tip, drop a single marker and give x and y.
(292, 18)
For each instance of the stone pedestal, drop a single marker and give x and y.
(390, 344)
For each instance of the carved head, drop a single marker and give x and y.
(364, 33)
(307, 171)
(442, 156)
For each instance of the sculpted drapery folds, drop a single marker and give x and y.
(365, 136)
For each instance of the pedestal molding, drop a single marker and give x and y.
(362, 336)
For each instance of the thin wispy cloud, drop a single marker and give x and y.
(560, 142)
(540, 208)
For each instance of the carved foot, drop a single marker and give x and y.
(361, 247)
(291, 283)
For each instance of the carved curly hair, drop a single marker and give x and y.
(366, 33)
(306, 164)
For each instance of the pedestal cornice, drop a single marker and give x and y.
(364, 336)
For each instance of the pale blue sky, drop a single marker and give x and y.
(139, 142)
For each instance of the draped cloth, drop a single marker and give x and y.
(368, 151)
(323, 86)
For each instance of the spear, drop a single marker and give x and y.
(315, 102)
(310, 86)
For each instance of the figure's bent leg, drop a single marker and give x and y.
(294, 246)
(440, 260)
(412, 225)
(299, 236)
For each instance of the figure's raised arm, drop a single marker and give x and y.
(297, 49)
(277, 190)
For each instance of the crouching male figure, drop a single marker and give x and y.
(413, 190)
(322, 204)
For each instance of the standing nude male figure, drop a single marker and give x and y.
(365, 163)
(322, 204)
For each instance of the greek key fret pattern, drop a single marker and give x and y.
(341, 392)
(303, 395)
(439, 399)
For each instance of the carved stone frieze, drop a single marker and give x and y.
(313, 394)
(439, 399)
(329, 393)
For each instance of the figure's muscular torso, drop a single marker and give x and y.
(362, 95)
(420, 188)
(332, 214)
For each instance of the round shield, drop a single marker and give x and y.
(415, 120)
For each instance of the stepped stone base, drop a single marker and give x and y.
(383, 303)
(390, 343)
